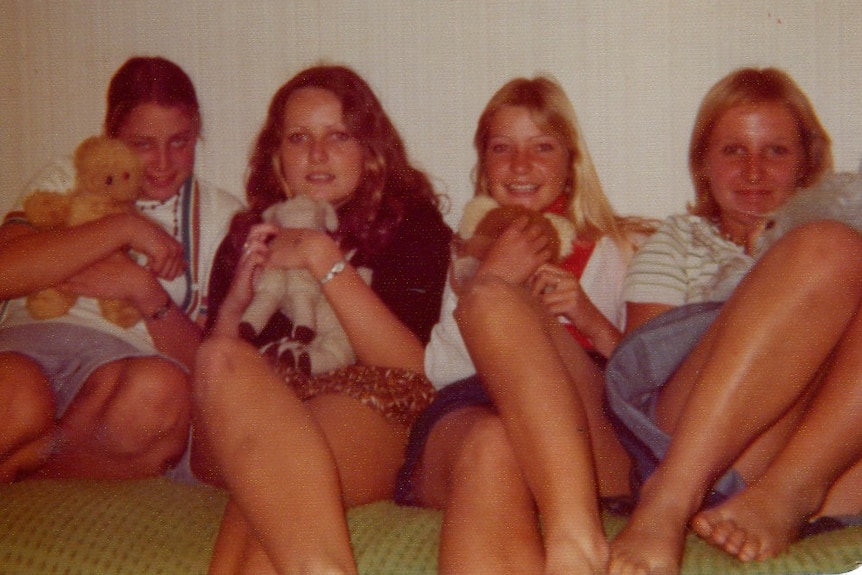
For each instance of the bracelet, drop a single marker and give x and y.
(336, 269)
(163, 310)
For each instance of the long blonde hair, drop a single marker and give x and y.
(550, 109)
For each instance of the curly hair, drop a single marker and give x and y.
(389, 182)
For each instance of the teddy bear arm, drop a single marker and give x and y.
(268, 293)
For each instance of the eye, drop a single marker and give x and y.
(127, 176)
(109, 180)
(498, 147)
(296, 137)
(180, 142)
(546, 147)
(141, 145)
(778, 150)
(733, 150)
(339, 136)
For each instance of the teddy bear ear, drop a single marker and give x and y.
(474, 211)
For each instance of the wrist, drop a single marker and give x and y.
(155, 306)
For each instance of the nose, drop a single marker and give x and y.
(317, 151)
(754, 168)
(162, 158)
(521, 161)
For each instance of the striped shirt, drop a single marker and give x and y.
(685, 261)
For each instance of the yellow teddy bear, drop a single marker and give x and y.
(108, 179)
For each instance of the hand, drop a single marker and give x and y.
(298, 248)
(559, 291)
(518, 252)
(164, 254)
(254, 255)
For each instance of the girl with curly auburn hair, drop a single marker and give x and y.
(294, 448)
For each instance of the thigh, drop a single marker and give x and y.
(442, 449)
(368, 449)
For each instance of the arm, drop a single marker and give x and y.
(33, 260)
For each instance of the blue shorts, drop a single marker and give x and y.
(68, 354)
(638, 369)
(464, 393)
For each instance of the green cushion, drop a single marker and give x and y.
(162, 528)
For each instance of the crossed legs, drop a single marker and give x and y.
(787, 339)
(291, 467)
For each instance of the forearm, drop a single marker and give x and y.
(33, 260)
(173, 333)
(377, 335)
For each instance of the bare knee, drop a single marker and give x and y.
(217, 363)
(825, 246)
(486, 455)
(486, 297)
(27, 415)
(149, 414)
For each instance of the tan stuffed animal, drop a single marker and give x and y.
(484, 220)
(108, 178)
(318, 342)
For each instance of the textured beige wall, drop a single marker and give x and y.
(634, 70)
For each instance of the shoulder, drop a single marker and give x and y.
(423, 220)
(219, 199)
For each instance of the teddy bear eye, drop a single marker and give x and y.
(109, 180)
(127, 176)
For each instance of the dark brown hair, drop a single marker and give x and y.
(145, 80)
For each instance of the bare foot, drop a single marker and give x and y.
(653, 540)
(757, 523)
(584, 554)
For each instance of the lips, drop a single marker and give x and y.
(320, 178)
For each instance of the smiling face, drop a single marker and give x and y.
(523, 165)
(318, 156)
(754, 162)
(164, 137)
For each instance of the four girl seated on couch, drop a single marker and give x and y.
(731, 412)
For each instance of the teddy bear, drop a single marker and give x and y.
(317, 343)
(484, 220)
(108, 179)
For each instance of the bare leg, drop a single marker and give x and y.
(543, 415)
(490, 523)
(766, 517)
(237, 550)
(130, 419)
(763, 350)
(27, 416)
(274, 458)
(368, 450)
